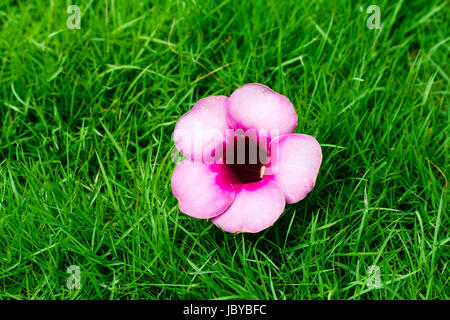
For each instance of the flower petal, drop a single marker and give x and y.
(256, 207)
(199, 131)
(295, 163)
(257, 106)
(203, 191)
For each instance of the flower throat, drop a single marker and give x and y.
(246, 159)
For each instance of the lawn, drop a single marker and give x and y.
(86, 118)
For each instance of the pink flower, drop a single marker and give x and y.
(243, 161)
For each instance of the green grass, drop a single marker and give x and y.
(86, 118)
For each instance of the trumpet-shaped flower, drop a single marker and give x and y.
(243, 162)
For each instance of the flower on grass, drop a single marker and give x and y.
(243, 162)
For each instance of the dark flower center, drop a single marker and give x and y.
(246, 159)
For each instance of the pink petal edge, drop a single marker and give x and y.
(256, 106)
(199, 131)
(203, 191)
(295, 165)
(256, 207)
